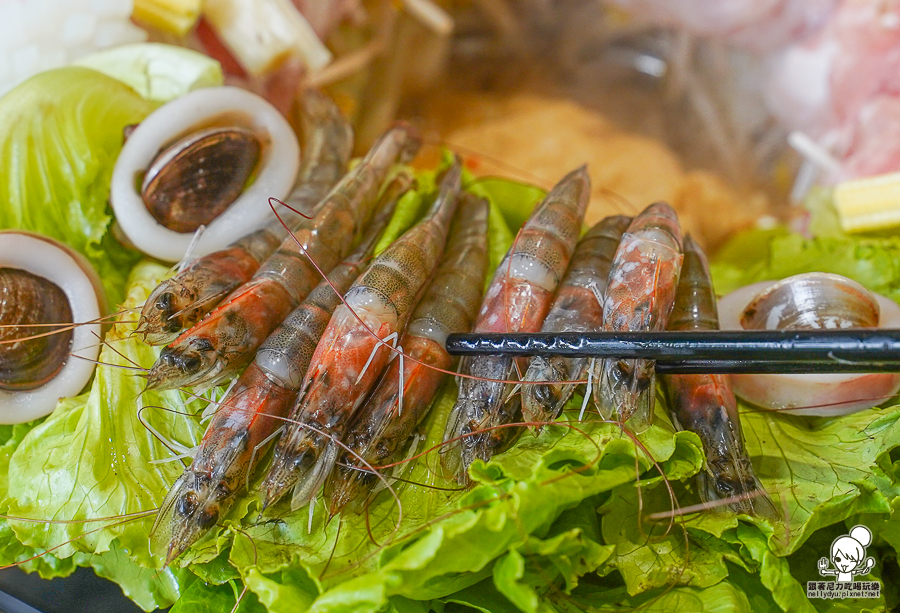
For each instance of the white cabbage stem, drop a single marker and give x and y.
(262, 34)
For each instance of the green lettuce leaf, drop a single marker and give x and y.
(722, 597)
(201, 597)
(11, 550)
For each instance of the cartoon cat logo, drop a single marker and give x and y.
(848, 554)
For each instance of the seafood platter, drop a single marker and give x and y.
(243, 246)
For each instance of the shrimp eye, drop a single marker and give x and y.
(208, 518)
(164, 302)
(202, 344)
(190, 365)
(382, 451)
(167, 357)
(222, 491)
(305, 461)
(187, 504)
(367, 478)
(542, 393)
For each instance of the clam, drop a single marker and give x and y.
(196, 179)
(212, 157)
(44, 285)
(811, 301)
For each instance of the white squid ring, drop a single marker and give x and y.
(277, 170)
(67, 269)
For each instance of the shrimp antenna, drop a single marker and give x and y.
(287, 206)
(705, 506)
(128, 518)
(58, 328)
(477, 156)
(402, 480)
(110, 365)
(116, 351)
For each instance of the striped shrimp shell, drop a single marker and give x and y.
(383, 426)
(349, 358)
(639, 296)
(705, 404)
(578, 307)
(226, 340)
(250, 413)
(517, 300)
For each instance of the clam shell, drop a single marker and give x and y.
(196, 179)
(817, 300)
(823, 395)
(26, 300)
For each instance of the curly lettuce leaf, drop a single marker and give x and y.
(720, 598)
(201, 597)
(506, 520)
(11, 550)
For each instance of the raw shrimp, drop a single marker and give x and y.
(227, 338)
(181, 301)
(639, 296)
(578, 307)
(401, 401)
(250, 412)
(349, 358)
(517, 300)
(705, 404)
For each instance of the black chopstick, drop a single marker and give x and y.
(748, 367)
(867, 346)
